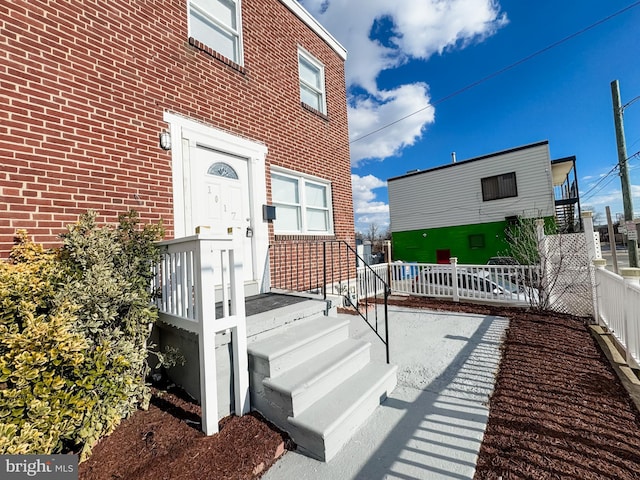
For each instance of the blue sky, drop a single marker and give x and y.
(407, 57)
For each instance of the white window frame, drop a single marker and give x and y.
(303, 180)
(236, 33)
(320, 92)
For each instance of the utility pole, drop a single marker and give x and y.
(627, 205)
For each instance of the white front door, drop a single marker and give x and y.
(219, 181)
(220, 198)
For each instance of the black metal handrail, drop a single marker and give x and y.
(330, 267)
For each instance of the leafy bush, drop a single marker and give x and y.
(73, 330)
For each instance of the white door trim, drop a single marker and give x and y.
(183, 131)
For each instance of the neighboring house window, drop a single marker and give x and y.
(476, 241)
(216, 23)
(312, 92)
(499, 186)
(302, 205)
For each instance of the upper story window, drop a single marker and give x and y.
(499, 186)
(312, 91)
(216, 23)
(303, 205)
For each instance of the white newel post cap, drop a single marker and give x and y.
(600, 262)
(631, 274)
(453, 260)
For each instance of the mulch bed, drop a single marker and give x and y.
(165, 443)
(558, 411)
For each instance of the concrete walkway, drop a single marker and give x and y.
(431, 426)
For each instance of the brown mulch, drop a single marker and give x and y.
(165, 443)
(558, 411)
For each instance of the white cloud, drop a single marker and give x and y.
(613, 199)
(367, 210)
(406, 30)
(418, 29)
(367, 114)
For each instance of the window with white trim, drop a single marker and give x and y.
(216, 23)
(303, 205)
(312, 90)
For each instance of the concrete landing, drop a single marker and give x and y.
(432, 424)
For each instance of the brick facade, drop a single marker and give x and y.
(84, 85)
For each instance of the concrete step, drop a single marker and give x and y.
(268, 323)
(325, 426)
(294, 344)
(309, 381)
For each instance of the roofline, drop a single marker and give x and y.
(572, 158)
(461, 162)
(314, 25)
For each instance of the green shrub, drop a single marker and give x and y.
(73, 333)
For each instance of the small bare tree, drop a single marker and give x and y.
(372, 233)
(523, 242)
(561, 276)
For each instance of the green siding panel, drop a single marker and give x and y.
(421, 245)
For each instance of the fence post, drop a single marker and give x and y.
(631, 277)
(592, 252)
(597, 263)
(587, 222)
(206, 315)
(239, 343)
(324, 270)
(545, 265)
(454, 278)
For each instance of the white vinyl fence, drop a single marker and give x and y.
(187, 277)
(371, 280)
(510, 284)
(618, 307)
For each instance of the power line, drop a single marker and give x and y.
(637, 154)
(632, 144)
(498, 72)
(605, 176)
(602, 179)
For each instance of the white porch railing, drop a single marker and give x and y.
(618, 307)
(190, 272)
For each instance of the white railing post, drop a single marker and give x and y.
(592, 253)
(190, 273)
(587, 224)
(631, 277)
(206, 314)
(545, 265)
(454, 278)
(239, 333)
(598, 263)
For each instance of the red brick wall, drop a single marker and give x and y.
(83, 88)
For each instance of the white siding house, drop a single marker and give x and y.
(463, 207)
